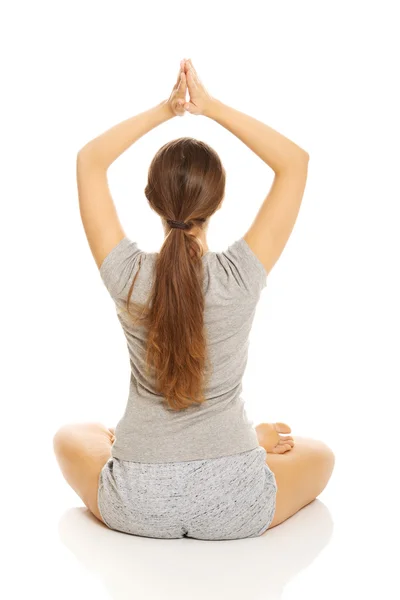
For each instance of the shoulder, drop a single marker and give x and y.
(240, 266)
(120, 265)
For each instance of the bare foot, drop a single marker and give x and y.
(269, 436)
(112, 429)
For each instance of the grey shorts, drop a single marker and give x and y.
(225, 498)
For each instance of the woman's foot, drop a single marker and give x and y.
(269, 436)
(112, 429)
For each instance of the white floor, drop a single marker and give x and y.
(343, 545)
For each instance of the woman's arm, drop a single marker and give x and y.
(274, 222)
(272, 147)
(98, 213)
(99, 216)
(107, 147)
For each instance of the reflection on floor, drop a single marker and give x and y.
(187, 568)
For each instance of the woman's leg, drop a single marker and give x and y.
(82, 449)
(301, 474)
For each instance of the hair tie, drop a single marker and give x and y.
(179, 224)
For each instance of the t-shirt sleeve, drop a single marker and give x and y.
(245, 267)
(119, 267)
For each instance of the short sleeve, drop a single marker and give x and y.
(119, 267)
(246, 267)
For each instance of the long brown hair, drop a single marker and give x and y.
(186, 182)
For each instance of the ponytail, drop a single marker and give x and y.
(174, 313)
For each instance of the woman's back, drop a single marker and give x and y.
(150, 431)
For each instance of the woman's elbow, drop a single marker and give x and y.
(304, 156)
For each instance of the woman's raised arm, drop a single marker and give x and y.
(274, 222)
(98, 213)
(277, 215)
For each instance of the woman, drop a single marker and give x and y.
(184, 460)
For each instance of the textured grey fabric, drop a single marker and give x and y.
(149, 431)
(226, 498)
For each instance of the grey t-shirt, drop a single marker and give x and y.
(149, 431)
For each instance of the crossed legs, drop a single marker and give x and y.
(301, 475)
(82, 449)
(302, 467)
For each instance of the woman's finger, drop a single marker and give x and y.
(181, 90)
(191, 69)
(190, 81)
(178, 80)
(193, 72)
(181, 70)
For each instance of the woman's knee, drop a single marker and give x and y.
(69, 438)
(327, 458)
(320, 459)
(308, 465)
(65, 441)
(301, 475)
(315, 448)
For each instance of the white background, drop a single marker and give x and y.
(324, 351)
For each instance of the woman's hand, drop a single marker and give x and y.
(200, 99)
(177, 98)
